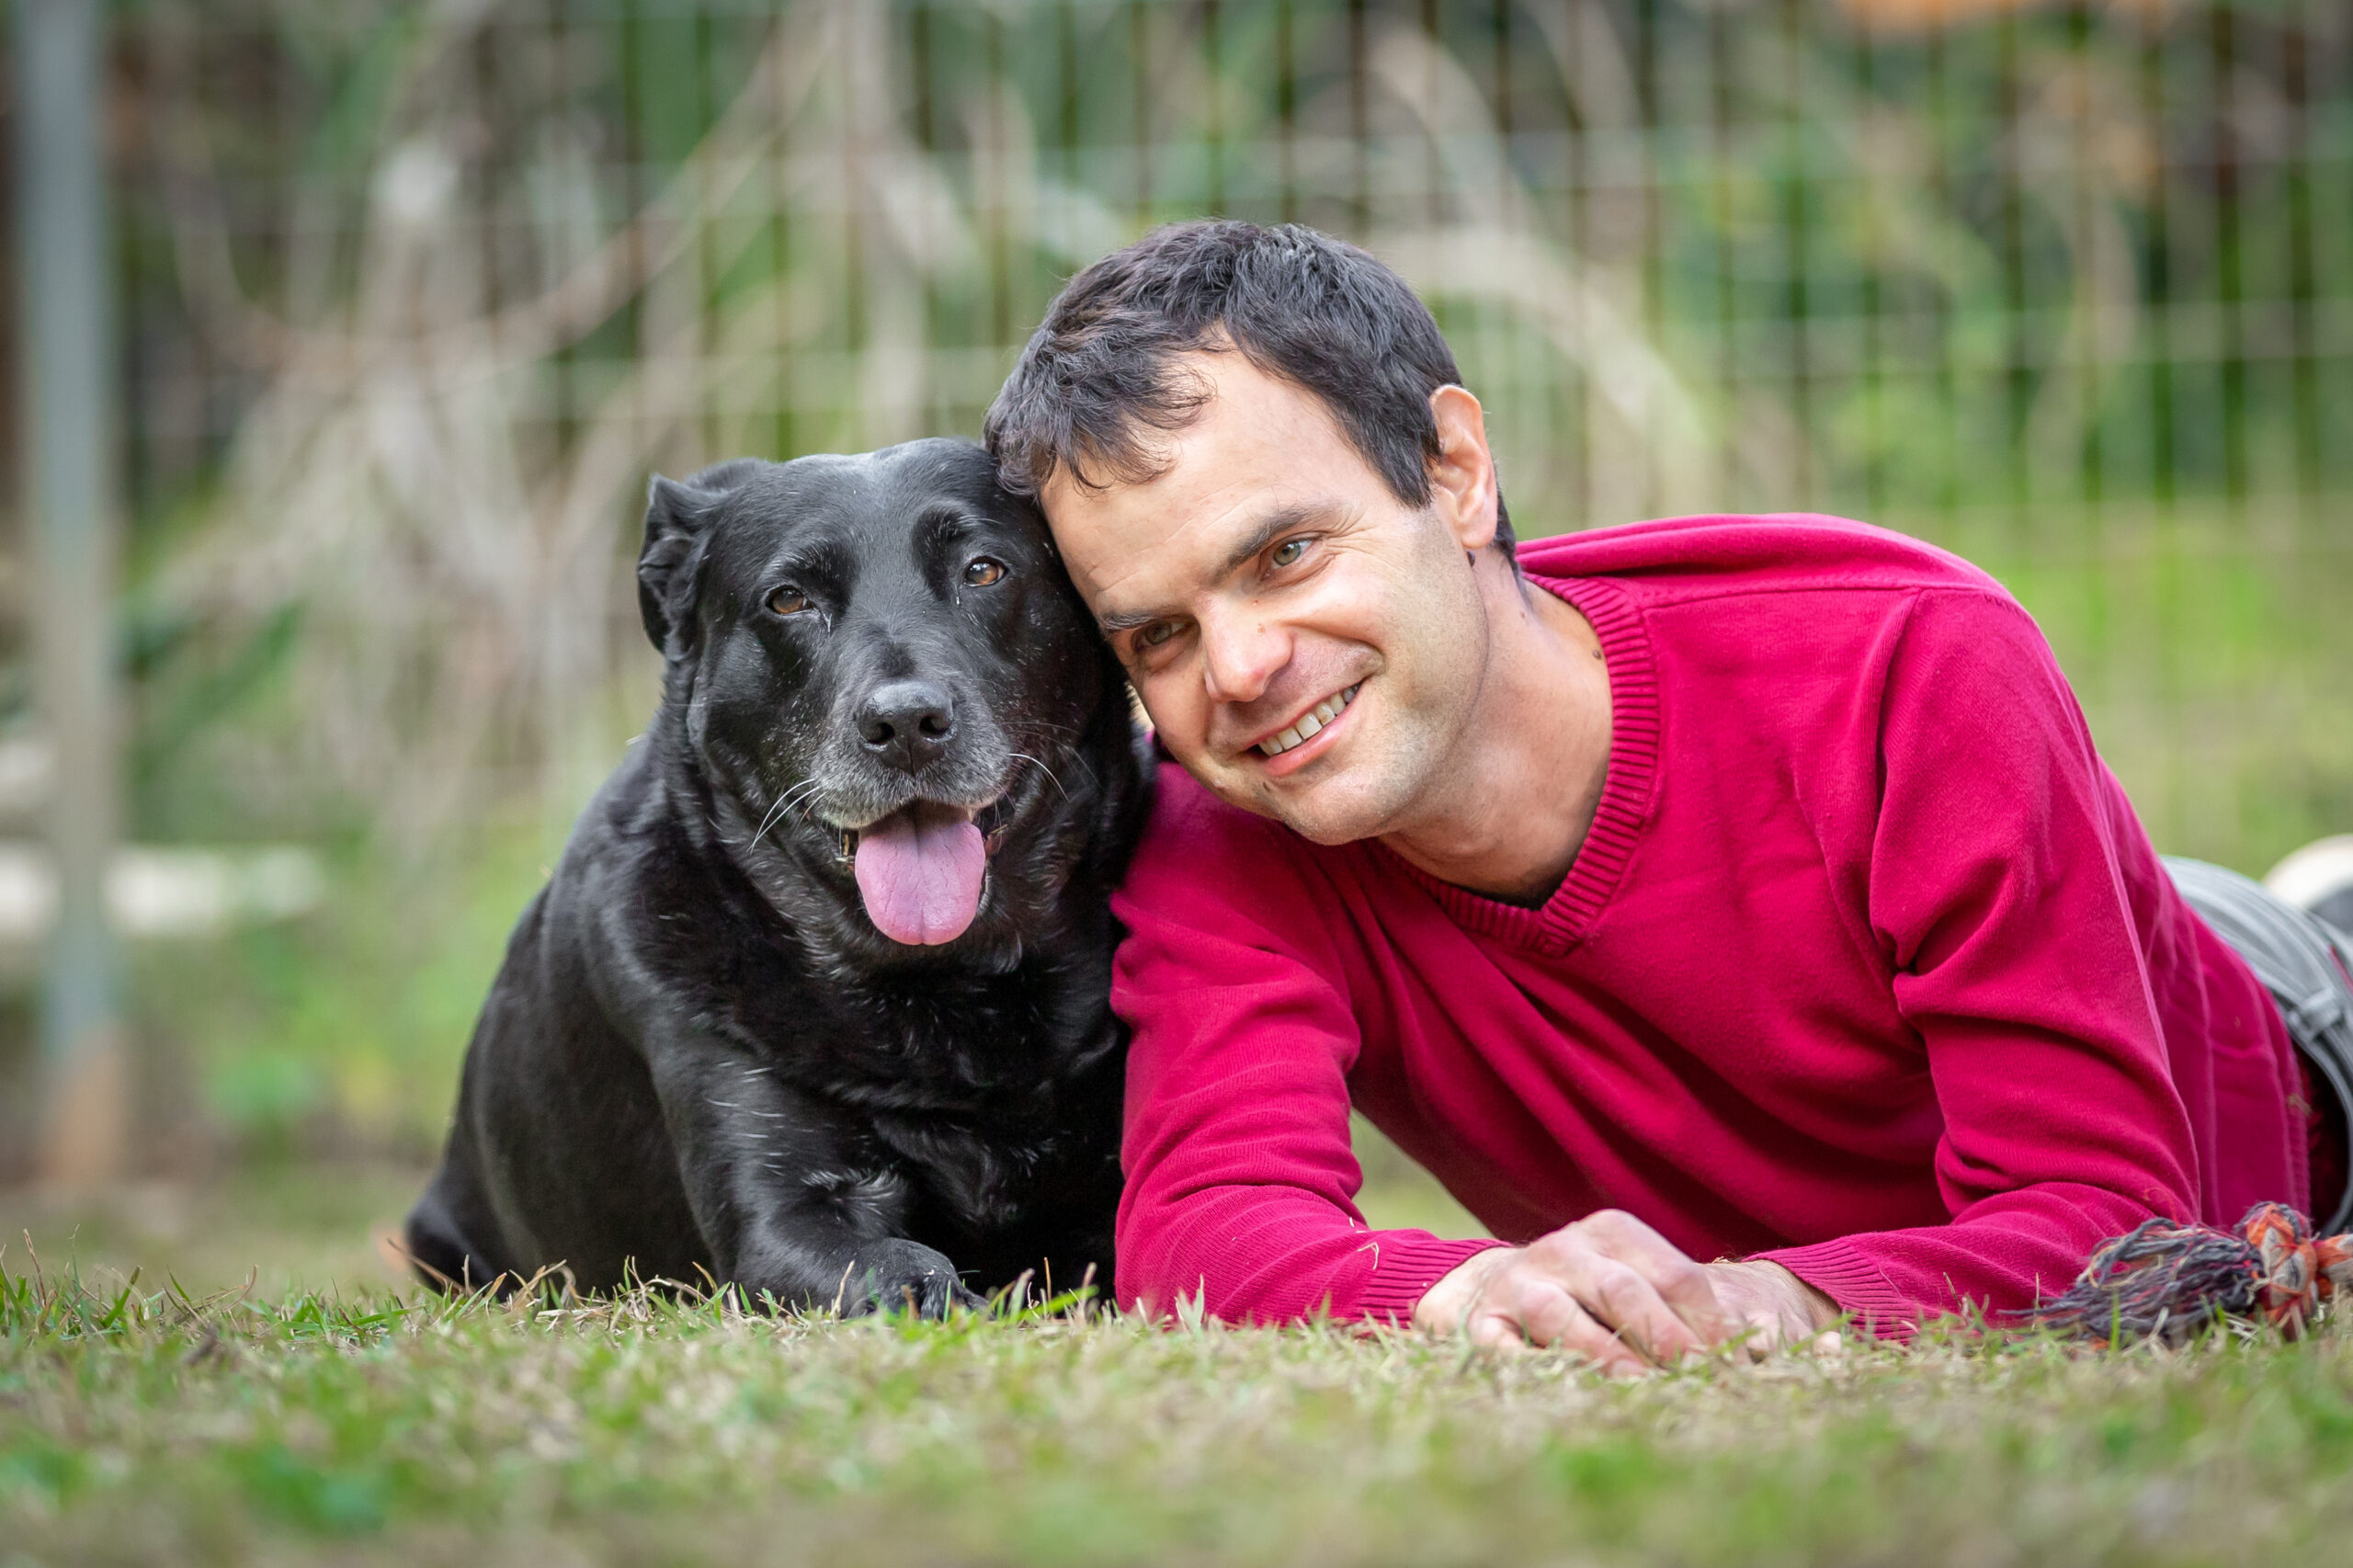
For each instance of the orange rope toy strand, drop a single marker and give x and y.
(2169, 1281)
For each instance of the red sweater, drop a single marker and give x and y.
(1865, 967)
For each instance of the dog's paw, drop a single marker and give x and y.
(904, 1277)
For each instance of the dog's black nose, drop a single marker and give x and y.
(907, 723)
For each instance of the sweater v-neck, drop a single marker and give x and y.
(1563, 920)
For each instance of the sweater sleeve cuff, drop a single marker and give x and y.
(1407, 1265)
(1846, 1275)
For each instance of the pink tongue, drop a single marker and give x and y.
(921, 879)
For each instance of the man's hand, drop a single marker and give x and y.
(1613, 1288)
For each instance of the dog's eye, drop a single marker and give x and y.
(984, 572)
(789, 601)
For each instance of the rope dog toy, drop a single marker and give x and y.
(2167, 1281)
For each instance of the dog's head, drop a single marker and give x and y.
(882, 669)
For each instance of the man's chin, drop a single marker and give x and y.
(1330, 830)
(1326, 805)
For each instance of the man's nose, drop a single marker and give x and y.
(907, 723)
(1241, 654)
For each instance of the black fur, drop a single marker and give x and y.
(700, 1054)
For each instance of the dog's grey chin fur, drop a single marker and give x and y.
(857, 815)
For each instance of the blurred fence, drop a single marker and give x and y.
(419, 292)
(414, 294)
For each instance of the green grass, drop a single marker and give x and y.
(348, 1423)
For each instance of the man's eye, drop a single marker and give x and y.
(789, 601)
(1288, 553)
(1152, 636)
(984, 572)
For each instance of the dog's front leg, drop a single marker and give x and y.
(789, 1198)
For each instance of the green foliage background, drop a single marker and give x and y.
(413, 296)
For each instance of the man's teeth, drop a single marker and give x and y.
(1309, 722)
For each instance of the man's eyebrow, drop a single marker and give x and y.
(1127, 620)
(1270, 527)
(1273, 526)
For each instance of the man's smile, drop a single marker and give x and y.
(1308, 724)
(1303, 739)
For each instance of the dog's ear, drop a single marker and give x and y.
(676, 517)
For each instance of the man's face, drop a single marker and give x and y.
(1310, 648)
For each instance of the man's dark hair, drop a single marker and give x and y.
(1298, 304)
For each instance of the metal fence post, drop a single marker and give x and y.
(67, 273)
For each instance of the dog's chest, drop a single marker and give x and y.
(981, 1098)
(959, 1048)
(979, 1181)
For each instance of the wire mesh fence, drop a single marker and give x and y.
(417, 294)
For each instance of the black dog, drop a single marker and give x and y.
(818, 1000)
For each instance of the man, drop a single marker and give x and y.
(1731, 912)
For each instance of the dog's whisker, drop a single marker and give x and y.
(1024, 756)
(769, 821)
(807, 803)
(801, 792)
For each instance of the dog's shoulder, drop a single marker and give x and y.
(642, 894)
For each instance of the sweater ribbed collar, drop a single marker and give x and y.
(1563, 920)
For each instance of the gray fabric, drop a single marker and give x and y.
(2302, 961)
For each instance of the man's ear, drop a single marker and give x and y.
(1463, 476)
(676, 517)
